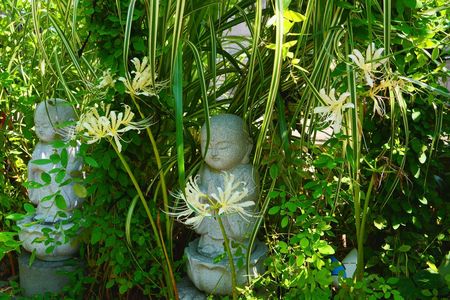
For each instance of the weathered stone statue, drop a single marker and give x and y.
(226, 154)
(49, 216)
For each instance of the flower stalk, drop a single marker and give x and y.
(168, 272)
(226, 243)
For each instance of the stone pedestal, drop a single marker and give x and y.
(32, 237)
(215, 278)
(45, 276)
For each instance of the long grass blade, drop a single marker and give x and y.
(126, 40)
(274, 82)
(178, 95)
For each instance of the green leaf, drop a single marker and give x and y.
(283, 247)
(15, 217)
(46, 178)
(274, 210)
(30, 209)
(41, 161)
(60, 202)
(55, 158)
(300, 260)
(64, 158)
(292, 207)
(435, 53)
(325, 249)
(293, 16)
(96, 235)
(80, 190)
(58, 144)
(60, 176)
(404, 248)
(304, 243)
(90, 161)
(123, 289)
(32, 257)
(284, 221)
(274, 171)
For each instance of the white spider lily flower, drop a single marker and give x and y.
(198, 205)
(106, 80)
(334, 108)
(370, 63)
(142, 82)
(95, 127)
(195, 205)
(229, 200)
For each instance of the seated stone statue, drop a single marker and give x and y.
(48, 115)
(226, 155)
(228, 151)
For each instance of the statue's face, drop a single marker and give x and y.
(44, 129)
(226, 149)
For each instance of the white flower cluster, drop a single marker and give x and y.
(198, 205)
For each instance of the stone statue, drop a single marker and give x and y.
(227, 152)
(48, 116)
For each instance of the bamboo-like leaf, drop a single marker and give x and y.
(256, 32)
(177, 29)
(178, 95)
(213, 57)
(152, 8)
(126, 40)
(69, 50)
(274, 83)
(202, 82)
(128, 220)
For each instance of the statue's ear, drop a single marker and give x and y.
(246, 158)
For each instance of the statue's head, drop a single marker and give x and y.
(229, 142)
(48, 115)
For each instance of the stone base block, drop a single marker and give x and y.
(30, 233)
(45, 276)
(215, 278)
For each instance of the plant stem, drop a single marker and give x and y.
(230, 258)
(360, 261)
(161, 176)
(169, 272)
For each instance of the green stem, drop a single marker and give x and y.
(230, 258)
(360, 261)
(168, 272)
(161, 176)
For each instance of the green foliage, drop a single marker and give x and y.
(386, 173)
